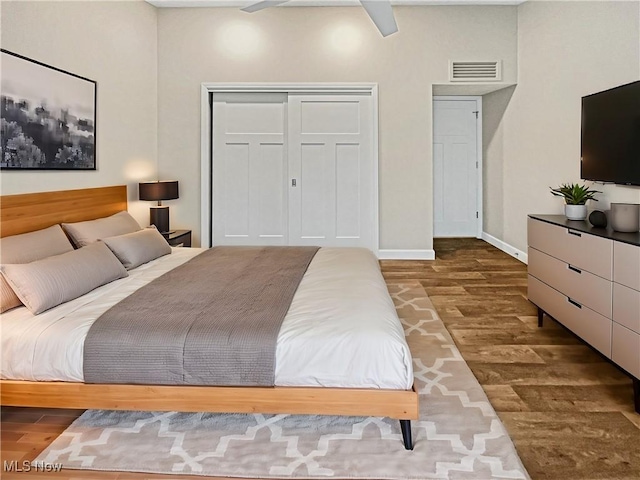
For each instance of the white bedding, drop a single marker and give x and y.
(341, 319)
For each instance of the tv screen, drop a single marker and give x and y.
(611, 135)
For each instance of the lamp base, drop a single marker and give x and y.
(159, 216)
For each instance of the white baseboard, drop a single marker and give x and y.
(407, 254)
(505, 247)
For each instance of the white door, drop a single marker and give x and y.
(455, 168)
(249, 171)
(332, 172)
(292, 169)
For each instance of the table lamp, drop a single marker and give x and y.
(158, 191)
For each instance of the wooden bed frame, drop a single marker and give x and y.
(29, 212)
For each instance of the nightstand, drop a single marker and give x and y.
(179, 238)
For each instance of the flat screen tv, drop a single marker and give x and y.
(611, 135)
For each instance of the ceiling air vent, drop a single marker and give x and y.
(475, 71)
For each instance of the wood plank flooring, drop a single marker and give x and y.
(567, 409)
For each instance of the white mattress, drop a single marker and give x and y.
(341, 320)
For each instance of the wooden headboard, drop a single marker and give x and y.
(34, 211)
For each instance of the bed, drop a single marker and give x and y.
(59, 384)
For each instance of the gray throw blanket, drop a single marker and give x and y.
(211, 321)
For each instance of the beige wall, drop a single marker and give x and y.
(150, 63)
(565, 50)
(114, 43)
(494, 106)
(304, 45)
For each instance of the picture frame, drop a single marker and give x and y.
(47, 115)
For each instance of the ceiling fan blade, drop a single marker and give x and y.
(381, 13)
(262, 5)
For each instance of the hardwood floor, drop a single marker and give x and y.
(568, 410)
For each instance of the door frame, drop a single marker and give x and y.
(479, 156)
(206, 139)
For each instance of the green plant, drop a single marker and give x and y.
(574, 194)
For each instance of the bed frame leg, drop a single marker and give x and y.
(405, 426)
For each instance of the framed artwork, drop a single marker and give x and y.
(47, 115)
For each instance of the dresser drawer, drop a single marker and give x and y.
(626, 307)
(587, 252)
(579, 285)
(626, 265)
(592, 327)
(626, 349)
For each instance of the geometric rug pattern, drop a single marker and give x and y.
(458, 435)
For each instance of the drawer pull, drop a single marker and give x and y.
(577, 270)
(572, 302)
(574, 233)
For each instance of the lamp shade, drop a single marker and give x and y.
(157, 191)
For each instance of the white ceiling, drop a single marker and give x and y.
(320, 3)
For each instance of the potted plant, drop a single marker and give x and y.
(575, 198)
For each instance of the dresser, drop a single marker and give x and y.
(588, 279)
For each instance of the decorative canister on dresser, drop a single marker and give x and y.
(625, 217)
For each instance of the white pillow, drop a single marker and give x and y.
(85, 233)
(134, 249)
(43, 284)
(26, 248)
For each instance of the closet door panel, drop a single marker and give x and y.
(249, 170)
(254, 115)
(348, 191)
(329, 115)
(235, 193)
(333, 200)
(314, 186)
(269, 188)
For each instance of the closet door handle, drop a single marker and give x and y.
(293, 182)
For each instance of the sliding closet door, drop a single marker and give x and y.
(249, 169)
(331, 170)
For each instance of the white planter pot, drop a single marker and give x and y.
(575, 212)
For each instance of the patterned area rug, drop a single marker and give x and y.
(458, 435)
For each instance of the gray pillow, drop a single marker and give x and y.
(26, 248)
(85, 233)
(134, 249)
(43, 284)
